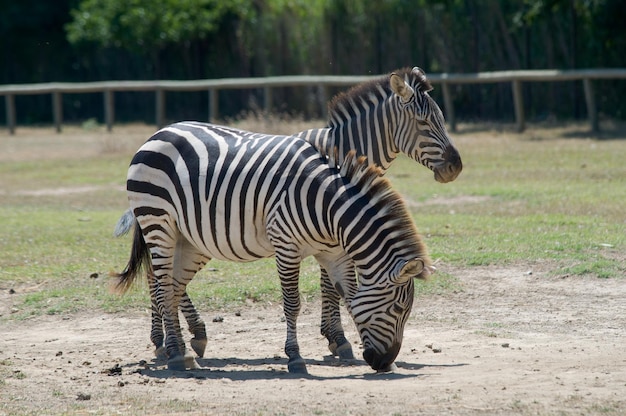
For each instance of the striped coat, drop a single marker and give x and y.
(380, 119)
(200, 192)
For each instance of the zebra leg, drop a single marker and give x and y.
(331, 326)
(167, 308)
(288, 265)
(187, 262)
(156, 332)
(196, 325)
(173, 269)
(194, 321)
(163, 248)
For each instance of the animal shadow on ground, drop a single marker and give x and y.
(238, 369)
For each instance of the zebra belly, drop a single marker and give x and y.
(235, 246)
(212, 234)
(219, 236)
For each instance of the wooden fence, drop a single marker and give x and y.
(213, 86)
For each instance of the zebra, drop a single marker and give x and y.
(379, 119)
(198, 191)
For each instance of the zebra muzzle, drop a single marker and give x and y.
(381, 362)
(451, 168)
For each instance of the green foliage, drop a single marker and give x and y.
(144, 24)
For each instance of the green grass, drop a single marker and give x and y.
(523, 201)
(520, 200)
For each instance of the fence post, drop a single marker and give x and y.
(9, 101)
(591, 105)
(109, 114)
(213, 103)
(57, 110)
(447, 102)
(160, 107)
(518, 102)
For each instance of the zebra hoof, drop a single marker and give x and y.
(160, 353)
(190, 362)
(297, 366)
(199, 346)
(389, 369)
(177, 363)
(332, 347)
(344, 351)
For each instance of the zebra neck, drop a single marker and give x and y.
(368, 131)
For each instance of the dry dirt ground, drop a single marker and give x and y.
(513, 340)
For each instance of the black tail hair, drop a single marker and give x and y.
(139, 260)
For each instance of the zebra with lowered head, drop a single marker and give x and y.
(379, 119)
(198, 192)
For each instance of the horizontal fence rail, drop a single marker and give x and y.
(213, 86)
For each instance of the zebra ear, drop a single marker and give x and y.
(421, 75)
(418, 71)
(406, 270)
(401, 88)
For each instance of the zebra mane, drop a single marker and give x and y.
(369, 93)
(356, 169)
(368, 178)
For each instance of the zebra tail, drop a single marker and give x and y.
(139, 256)
(124, 223)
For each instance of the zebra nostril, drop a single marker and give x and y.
(371, 357)
(454, 159)
(380, 361)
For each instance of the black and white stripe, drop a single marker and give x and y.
(200, 191)
(378, 119)
(388, 116)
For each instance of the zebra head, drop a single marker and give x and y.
(381, 310)
(421, 132)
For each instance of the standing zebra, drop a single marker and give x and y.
(379, 119)
(199, 192)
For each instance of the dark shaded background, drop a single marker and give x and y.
(91, 40)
